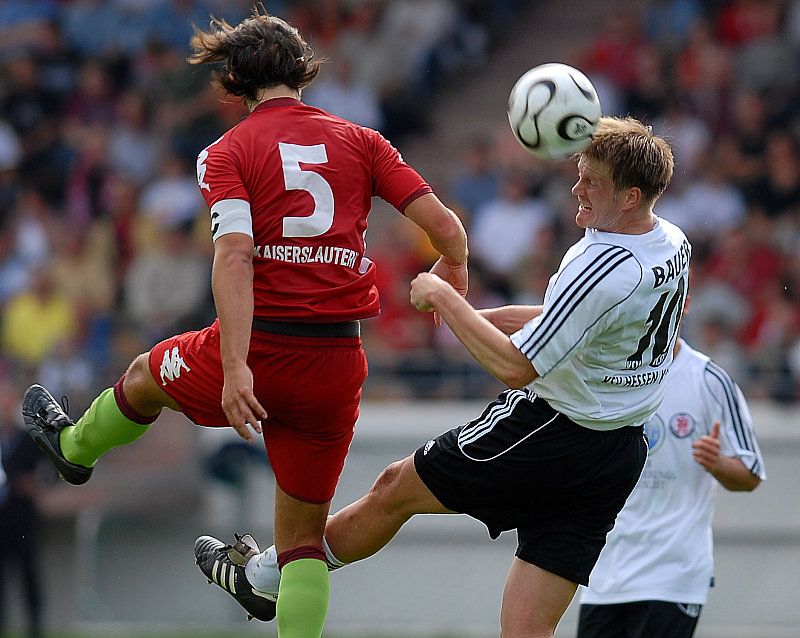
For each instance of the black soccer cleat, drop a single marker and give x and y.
(224, 565)
(44, 420)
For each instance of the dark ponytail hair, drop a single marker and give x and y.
(262, 51)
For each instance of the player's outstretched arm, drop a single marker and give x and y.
(487, 344)
(509, 319)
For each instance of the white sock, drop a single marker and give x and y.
(333, 562)
(264, 575)
(262, 571)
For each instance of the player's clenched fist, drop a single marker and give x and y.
(423, 287)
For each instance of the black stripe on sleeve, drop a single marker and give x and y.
(577, 290)
(743, 436)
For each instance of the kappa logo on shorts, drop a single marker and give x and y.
(171, 366)
(428, 447)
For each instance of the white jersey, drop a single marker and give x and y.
(604, 340)
(661, 546)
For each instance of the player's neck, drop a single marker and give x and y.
(273, 93)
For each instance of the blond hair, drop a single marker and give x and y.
(633, 155)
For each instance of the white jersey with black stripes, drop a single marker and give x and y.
(661, 545)
(604, 340)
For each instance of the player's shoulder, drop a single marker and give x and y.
(606, 266)
(697, 363)
(672, 231)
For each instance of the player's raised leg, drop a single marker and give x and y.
(367, 525)
(364, 527)
(118, 416)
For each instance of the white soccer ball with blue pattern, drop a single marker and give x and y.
(553, 110)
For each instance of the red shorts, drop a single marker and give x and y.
(309, 386)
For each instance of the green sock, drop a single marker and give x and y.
(101, 428)
(303, 598)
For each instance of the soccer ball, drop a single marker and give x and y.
(553, 110)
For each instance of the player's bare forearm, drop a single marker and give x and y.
(443, 227)
(733, 475)
(509, 319)
(731, 472)
(487, 344)
(232, 283)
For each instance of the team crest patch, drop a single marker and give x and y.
(682, 424)
(654, 431)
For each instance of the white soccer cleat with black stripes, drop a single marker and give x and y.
(224, 565)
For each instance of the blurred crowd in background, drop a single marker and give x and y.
(104, 237)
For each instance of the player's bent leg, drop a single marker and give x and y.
(534, 600)
(364, 527)
(397, 494)
(113, 419)
(142, 392)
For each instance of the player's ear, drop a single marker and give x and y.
(632, 197)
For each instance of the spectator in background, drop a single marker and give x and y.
(615, 52)
(476, 182)
(777, 192)
(20, 553)
(703, 75)
(24, 103)
(166, 286)
(746, 146)
(709, 206)
(91, 26)
(172, 198)
(10, 157)
(340, 92)
(89, 177)
(37, 320)
(32, 223)
(83, 268)
(14, 274)
(507, 231)
(689, 135)
(58, 62)
(134, 147)
(668, 23)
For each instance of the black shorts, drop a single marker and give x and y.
(522, 465)
(641, 619)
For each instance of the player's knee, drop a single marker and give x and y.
(138, 376)
(388, 481)
(392, 490)
(140, 389)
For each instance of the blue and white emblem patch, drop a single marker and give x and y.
(654, 430)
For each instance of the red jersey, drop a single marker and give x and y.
(307, 179)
